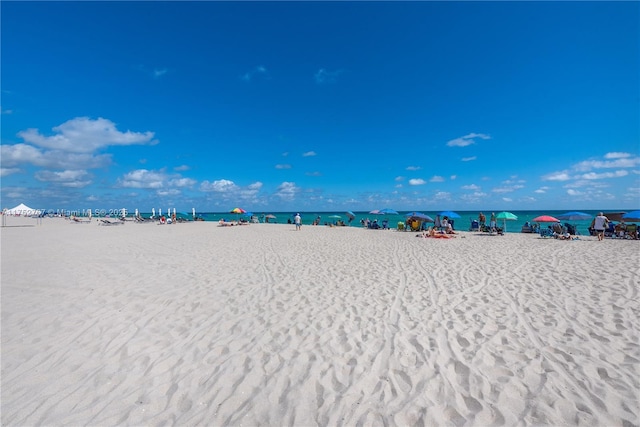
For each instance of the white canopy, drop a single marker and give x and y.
(23, 209)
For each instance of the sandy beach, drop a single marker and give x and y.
(195, 324)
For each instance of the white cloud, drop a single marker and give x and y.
(593, 175)
(541, 190)
(219, 186)
(323, 76)
(315, 173)
(181, 168)
(287, 190)
(453, 177)
(168, 192)
(283, 166)
(436, 178)
(466, 140)
(143, 178)
(399, 178)
(616, 155)
(557, 176)
(442, 195)
(507, 189)
(618, 162)
(470, 187)
(309, 154)
(8, 171)
(255, 186)
(417, 181)
(507, 199)
(14, 155)
(67, 178)
(258, 71)
(469, 159)
(572, 192)
(157, 73)
(84, 135)
(413, 168)
(182, 182)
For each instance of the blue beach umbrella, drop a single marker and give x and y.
(449, 214)
(632, 216)
(575, 216)
(388, 212)
(420, 216)
(351, 215)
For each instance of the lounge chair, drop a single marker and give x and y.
(107, 222)
(631, 232)
(546, 232)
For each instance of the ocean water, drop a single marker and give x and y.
(463, 223)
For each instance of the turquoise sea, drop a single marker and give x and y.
(463, 223)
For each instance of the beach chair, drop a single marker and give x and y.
(475, 225)
(610, 231)
(546, 232)
(400, 226)
(571, 229)
(631, 232)
(107, 222)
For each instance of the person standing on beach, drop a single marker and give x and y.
(492, 222)
(600, 223)
(298, 221)
(482, 220)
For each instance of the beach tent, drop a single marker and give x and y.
(23, 209)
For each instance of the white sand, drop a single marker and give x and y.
(194, 324)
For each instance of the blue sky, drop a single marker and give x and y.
(321, 106)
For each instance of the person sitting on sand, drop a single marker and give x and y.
(449, 229)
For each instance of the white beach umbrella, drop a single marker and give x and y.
(193, 212)
(160, 212)
(153, 212)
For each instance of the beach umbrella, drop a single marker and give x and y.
(153, 212)
(545, 218)
(270, 216)
(375, 212)
(506, 216)
(237, 211)
(335, 216)
(193, 212)
(632, 216)
(419, 216)
(575, 216)
(351, 215)
(615, 216)
(449, 214)
(388, 211)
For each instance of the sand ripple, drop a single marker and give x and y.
(261, 325)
